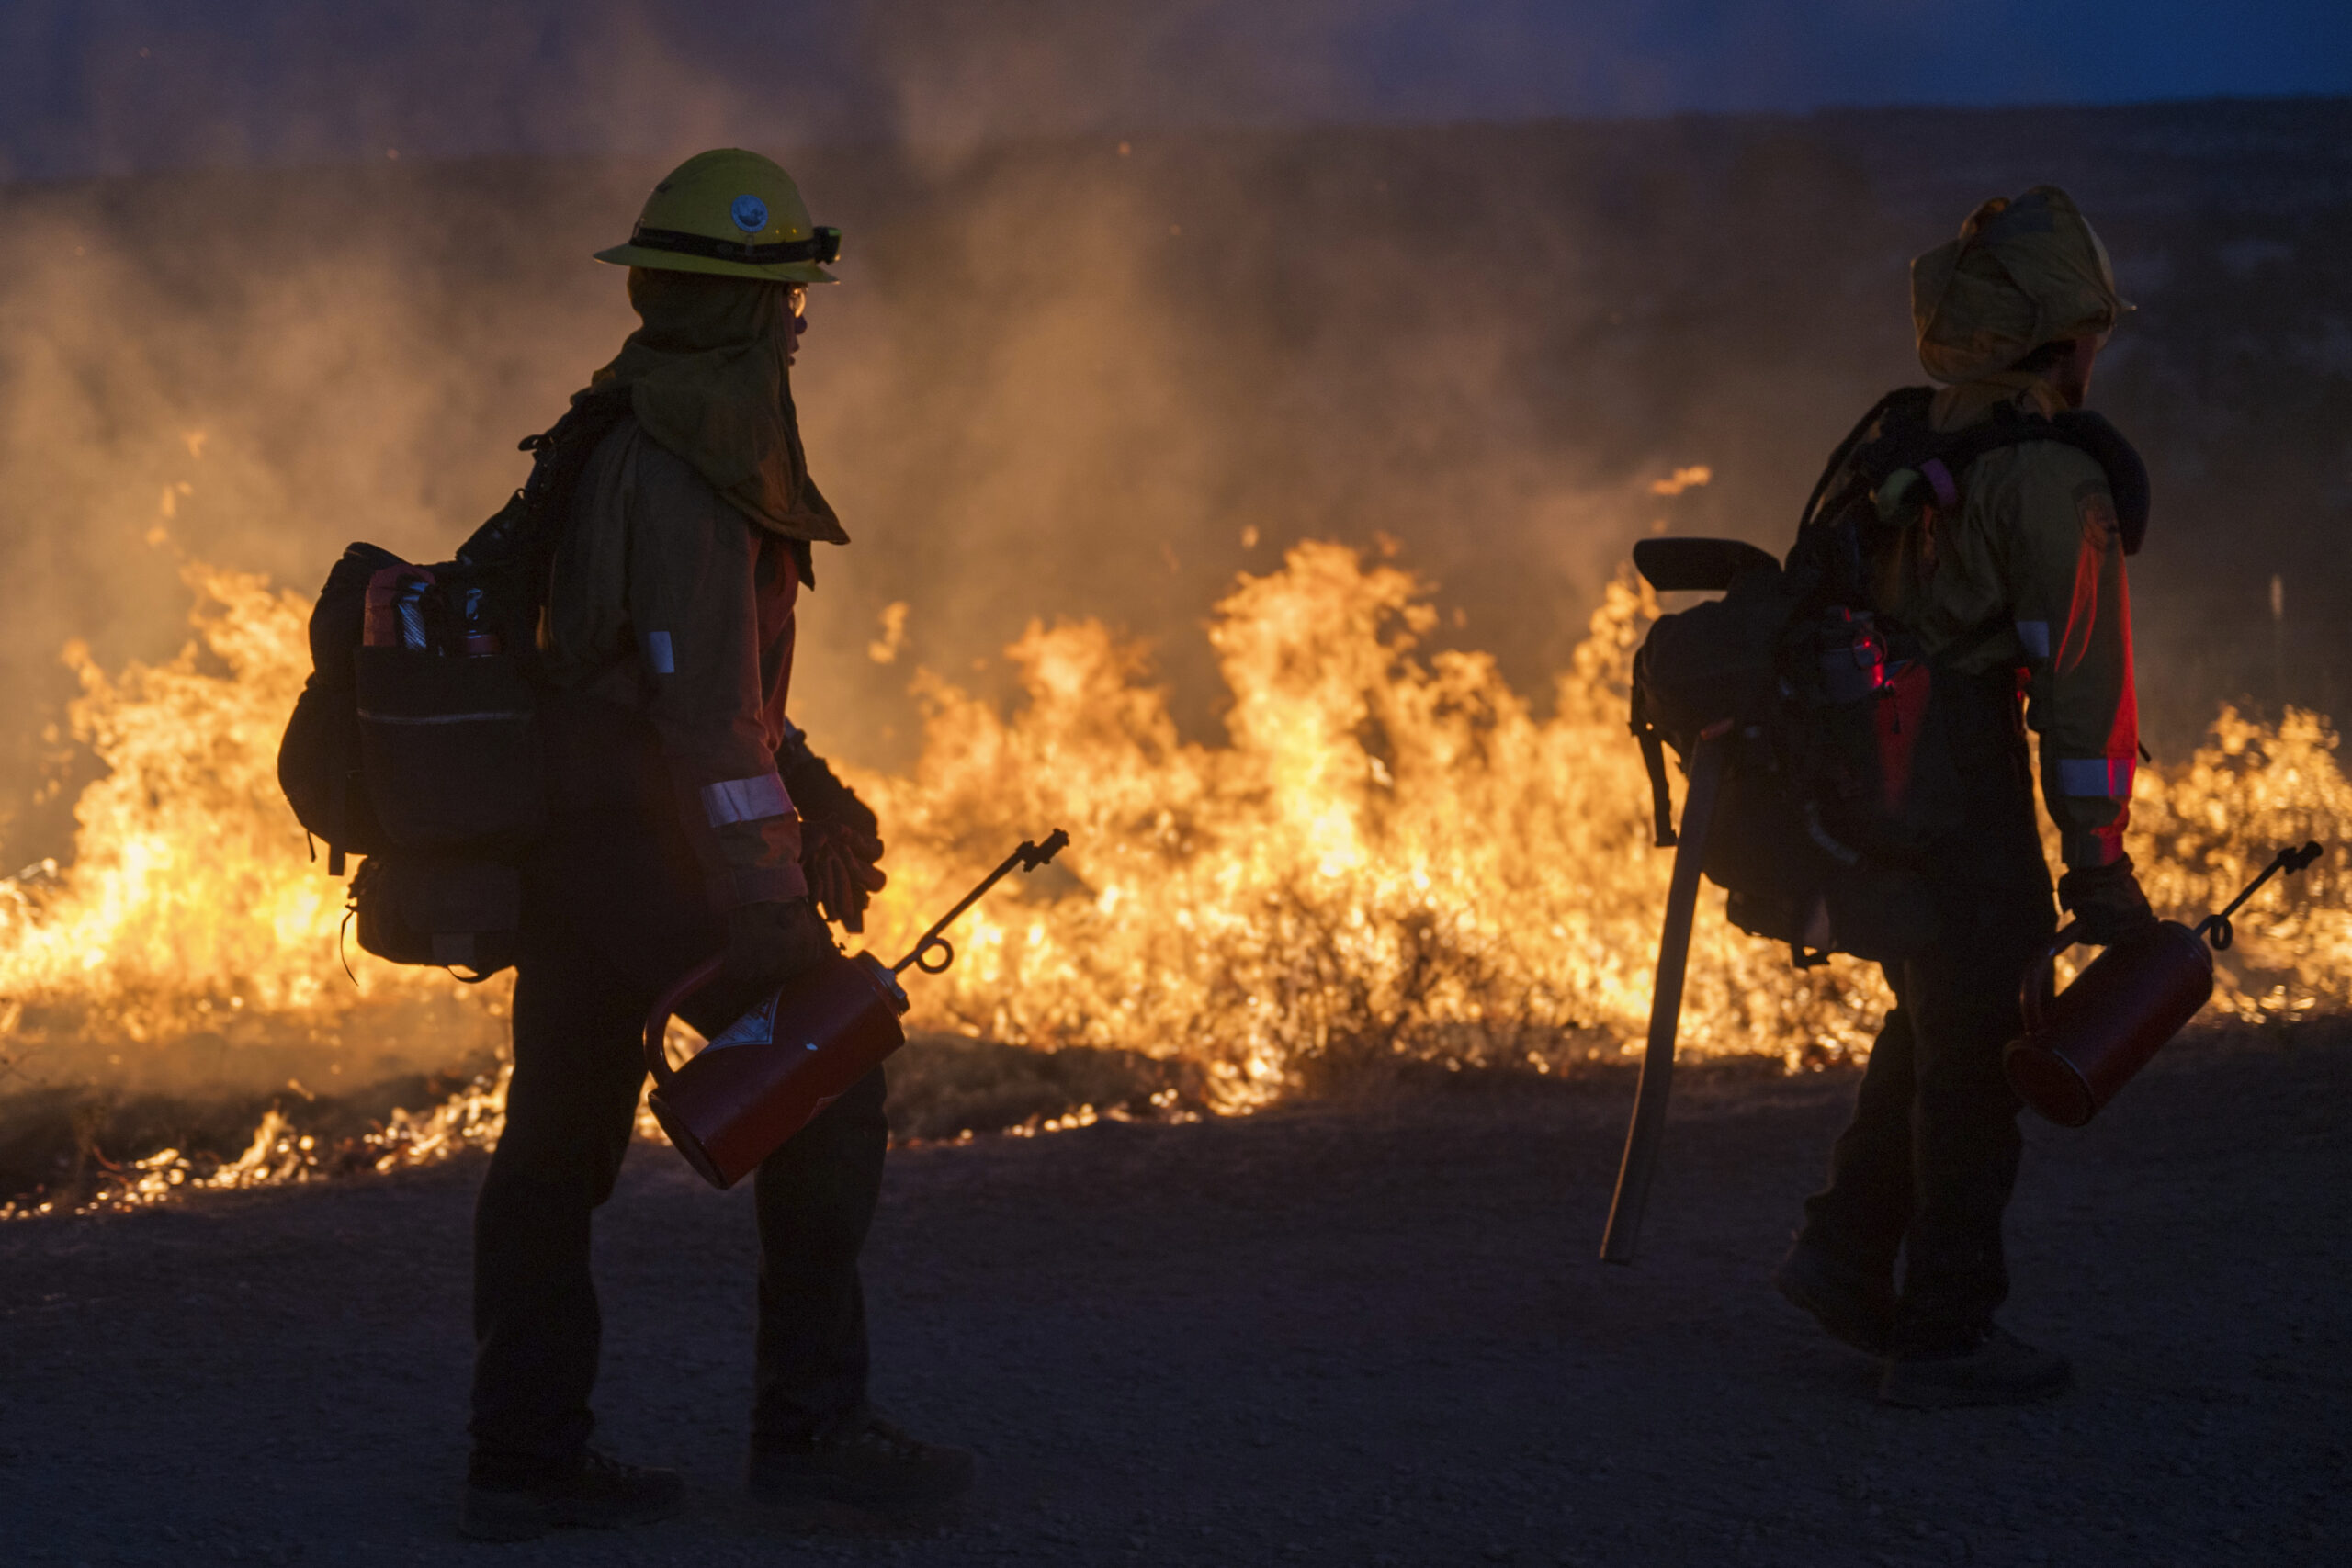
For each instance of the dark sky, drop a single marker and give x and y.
(99, 85)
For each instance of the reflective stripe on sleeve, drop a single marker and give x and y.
(658, 655)
(2035, 634)
(744, 800)
(2107, 778)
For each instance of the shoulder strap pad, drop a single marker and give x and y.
(2090, 433)
(2127, 472)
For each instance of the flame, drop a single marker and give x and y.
(2203, 830)
(1393, 855)
(885, 649)
(192, 939)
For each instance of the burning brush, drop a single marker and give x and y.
(1392, 857)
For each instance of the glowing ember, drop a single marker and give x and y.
(1392, 856)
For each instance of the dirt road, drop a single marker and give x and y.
(1360, 1334)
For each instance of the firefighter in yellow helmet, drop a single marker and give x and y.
(688, 814)
(2005, 558)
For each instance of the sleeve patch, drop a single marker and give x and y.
(744, 800)
(2035, 636)
(658, 655)
(2102, 778)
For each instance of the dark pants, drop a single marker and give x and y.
(613, 912)
(1926, 1168)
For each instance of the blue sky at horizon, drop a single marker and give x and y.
(90, 87)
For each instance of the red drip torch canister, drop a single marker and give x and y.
(767, 1075)
(2078, 1052)
(2120, 1010)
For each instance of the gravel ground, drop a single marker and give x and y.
(1364, 1333)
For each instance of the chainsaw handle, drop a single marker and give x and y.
(657, 1021)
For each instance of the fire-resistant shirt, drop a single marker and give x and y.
(665, 599)
(2029, 572)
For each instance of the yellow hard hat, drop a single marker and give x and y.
(732, 213)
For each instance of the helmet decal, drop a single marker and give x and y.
(750, 214)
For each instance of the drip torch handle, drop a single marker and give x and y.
(2042, 975)
(2217, 929)
(933, 952)
(657, 1023)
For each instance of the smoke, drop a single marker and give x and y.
(1118, 322)
(1100, 376)
(1062, 380)
(244, 372)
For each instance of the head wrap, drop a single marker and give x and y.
(706, 376)
(2022, 274)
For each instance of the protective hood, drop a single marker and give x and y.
(707, 378)
(2022, 273)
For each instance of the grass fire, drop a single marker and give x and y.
(1392, 858)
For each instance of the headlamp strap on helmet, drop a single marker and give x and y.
(822, 246)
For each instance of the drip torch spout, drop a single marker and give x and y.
(934, 954)
(2216, 928)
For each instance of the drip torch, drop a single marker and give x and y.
(765, 1076)
(2082, 1047)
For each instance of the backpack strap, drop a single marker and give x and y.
(1904, 413)
(1853, 441)
(1654, 761)
(2087, 431)
(338, 811)
(2127, 472)
(526, 526)
(559, 454)
(1826, 536)
(516, 548)
(1907, 441)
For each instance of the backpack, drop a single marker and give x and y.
(1836, 785)
(414, 741)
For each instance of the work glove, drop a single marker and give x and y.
(2107, 902)
(840, 841)
(838, 860)
(769, 944)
